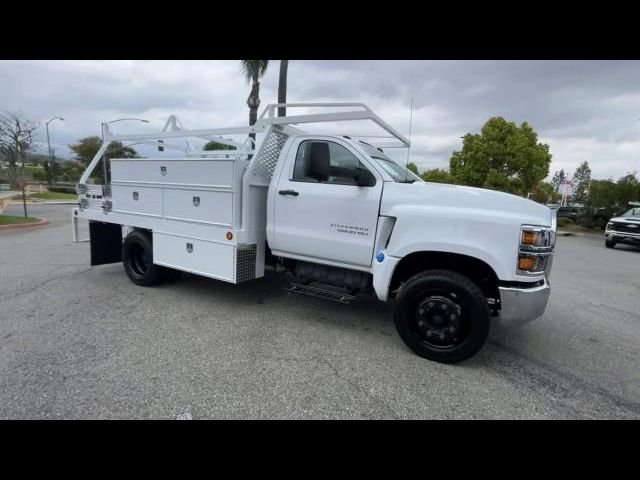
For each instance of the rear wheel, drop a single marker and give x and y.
(609, 243)
(442, 315)
(137, 257)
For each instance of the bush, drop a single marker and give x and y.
(62, 189)
(40, 176)
(564, 221)
(596, 217)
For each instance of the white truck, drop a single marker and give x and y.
(334, 211)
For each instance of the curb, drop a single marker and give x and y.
(41, 223)
(578, 234)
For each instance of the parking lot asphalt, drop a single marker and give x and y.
(83, 342)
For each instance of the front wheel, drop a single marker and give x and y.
(442, 315)
(137, 257)
(609, 243)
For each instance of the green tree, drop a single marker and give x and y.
(582, 179)
(87, 147)
(70, 171)
(502, 156)
(413, 167)
(253, 70)
(628, 190)
(608, 198)
(436, 175)
(544, 192)
(218, 146)
(557, 179)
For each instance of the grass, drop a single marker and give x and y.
(52, 196)
(14, 220)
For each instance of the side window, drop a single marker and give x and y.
(325, 162)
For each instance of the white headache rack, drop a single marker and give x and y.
(173, 129)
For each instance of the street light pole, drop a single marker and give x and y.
(51, 162)
(104, 155)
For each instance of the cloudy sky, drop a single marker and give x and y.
(585, 110)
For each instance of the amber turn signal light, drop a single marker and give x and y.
(528, 238)
(527, 263)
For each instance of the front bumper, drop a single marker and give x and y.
(520, 305)
(623, 237)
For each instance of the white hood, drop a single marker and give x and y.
(457, 198)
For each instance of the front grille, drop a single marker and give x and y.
(625, 227)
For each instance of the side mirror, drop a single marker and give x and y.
(364, 178)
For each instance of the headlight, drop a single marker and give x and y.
(536, 246)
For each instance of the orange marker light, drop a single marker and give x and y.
(528, 238)
(526, 263)
(229, 236)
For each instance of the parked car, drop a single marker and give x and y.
(624, 229)
(568, 212)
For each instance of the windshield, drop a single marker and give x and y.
(634, 212)
(397, 172)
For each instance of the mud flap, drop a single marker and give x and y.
(106, 242)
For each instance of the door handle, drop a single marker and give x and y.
(289, 192)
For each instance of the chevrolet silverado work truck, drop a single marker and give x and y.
(334, 211)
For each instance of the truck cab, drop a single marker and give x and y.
(341, 217)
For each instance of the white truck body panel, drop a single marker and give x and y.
(204, 257)
(324, 222)
(480, 223)
(189, 204)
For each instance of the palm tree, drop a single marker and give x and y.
(254, 70)
(282, 87)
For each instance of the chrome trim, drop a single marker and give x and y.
(549, 237)
(535, 250)
(528, 273)
(522, 305)
(609, 233)
(545, 250)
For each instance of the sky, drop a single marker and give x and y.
(584, 110)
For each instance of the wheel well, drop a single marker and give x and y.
(476, 270)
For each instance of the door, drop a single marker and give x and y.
(322, 210)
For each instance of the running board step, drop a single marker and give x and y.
(322, 293)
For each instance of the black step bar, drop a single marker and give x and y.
(320, 292)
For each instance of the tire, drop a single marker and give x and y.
(609, 243)
(442, 315)
(137, 257)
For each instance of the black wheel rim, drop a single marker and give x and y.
(441, 319)
(139, 260)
